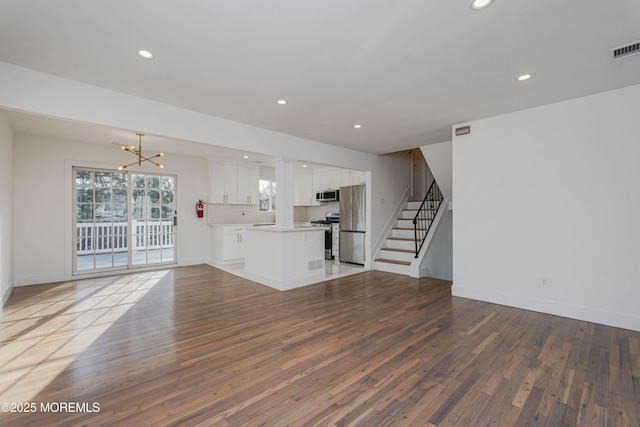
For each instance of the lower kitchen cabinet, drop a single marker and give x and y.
(335, 241)
(228, 247)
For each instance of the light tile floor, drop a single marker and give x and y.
(333, 269)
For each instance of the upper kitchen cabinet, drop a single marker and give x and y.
(223, 183)
(305, 186)
(303, 194)
(345, 177)
(330, 179)
(356, 177)
(351, 177)
(248, 189)
(233, 184)
(308, 183)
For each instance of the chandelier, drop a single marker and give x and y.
(138, 152)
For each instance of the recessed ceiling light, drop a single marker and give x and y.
(245, 157)
(282, 101)
(357, 126)
(145, 54)
(480, 4)
(304, 166)
(524, 77)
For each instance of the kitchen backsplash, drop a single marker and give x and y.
(320, 212)
(249, 214)
(237, 214)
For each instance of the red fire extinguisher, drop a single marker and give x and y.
(200, 209)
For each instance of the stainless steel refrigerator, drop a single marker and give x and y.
(352, 224)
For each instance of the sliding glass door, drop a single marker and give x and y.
(122, 219)
(152, 219)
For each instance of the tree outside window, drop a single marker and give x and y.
(267, 196)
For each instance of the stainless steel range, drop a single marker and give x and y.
(330, 222)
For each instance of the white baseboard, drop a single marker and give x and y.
(5, 296)
(41, 279)
(619, 320)
(62, 277)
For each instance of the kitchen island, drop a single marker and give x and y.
(284, 258)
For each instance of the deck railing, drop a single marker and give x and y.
(105, 237)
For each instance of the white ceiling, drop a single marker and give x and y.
(406, 69)
(66, 130)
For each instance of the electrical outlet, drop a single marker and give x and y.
(544, 282)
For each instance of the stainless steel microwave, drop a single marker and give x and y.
(328, 196)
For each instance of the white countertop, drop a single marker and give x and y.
(296, 227)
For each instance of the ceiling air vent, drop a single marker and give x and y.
(626, 50)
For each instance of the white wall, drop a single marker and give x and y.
(438, 261)
(439, 159)
(6, 209)
(42, 191)
(552, 193)
(27, 90)
(390, 181)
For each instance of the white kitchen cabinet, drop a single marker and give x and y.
(351, 177)
(303, 194)
(345, 177)
(248, 191)
(307, 184)
(223, 183)
(330, 179)
(316, 185)
(233, 184)
(357, 177)
(228, 245)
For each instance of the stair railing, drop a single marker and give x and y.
(426, 214)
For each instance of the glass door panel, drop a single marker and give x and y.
(100, 219)
(106, 235)
(152, 219)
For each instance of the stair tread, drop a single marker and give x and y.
(409, 251)
(393, 261)
(406, 219)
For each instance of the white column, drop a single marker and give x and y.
(284, 192)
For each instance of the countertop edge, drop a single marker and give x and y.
(283, 230)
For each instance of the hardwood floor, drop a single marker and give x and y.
(198, 346)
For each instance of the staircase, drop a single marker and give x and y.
(402, 252)
(399, 249)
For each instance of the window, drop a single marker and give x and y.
(267, 196)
